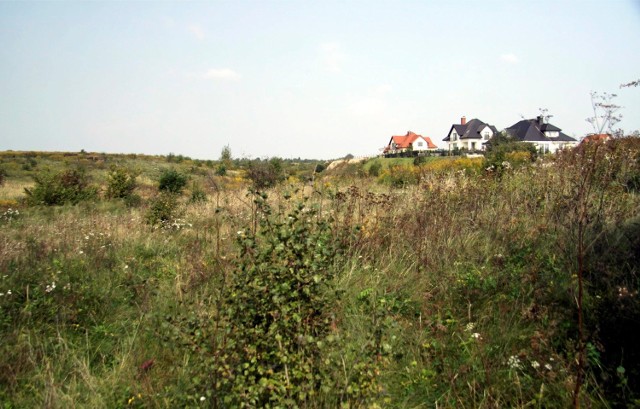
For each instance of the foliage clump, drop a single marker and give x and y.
(121, 183)
(278, 304)
(69, 186)
(264, 174)
(163, 209)
(172, 181)
(504, 151)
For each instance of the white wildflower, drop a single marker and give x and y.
(514, 362)
(476, 335)
(548, 367)
(470, 326)
(535, 364)
(202, 398)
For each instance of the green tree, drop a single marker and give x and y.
(225, 154)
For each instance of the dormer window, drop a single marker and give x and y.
(551, 134)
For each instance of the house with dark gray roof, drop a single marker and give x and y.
(469, 135)
(545, 136)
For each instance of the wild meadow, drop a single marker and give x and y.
(136, 281)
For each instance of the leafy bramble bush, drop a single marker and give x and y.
(172, 181)
(277, 311)
(70, 186)
(274, 341)
(121, 183)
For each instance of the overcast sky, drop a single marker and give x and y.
(310, 79)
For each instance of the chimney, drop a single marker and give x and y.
(463, 120)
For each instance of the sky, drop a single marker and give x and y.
(308, 79)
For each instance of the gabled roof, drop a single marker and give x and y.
(532, 130)
(404, 141)
(470, 130)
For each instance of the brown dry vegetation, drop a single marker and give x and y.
(456, 291)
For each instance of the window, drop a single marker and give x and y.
(419, 144)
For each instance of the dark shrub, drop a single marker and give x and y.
(265, 174)
(70, 186)
(374, 169)
(172, 181)
(120, 183)
(615, 309)
(221, 170)
(163, 209)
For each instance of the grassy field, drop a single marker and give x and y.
(457, 288)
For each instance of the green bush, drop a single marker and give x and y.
(221, 170)
(374, 169)
(273, 342)
(264, 174)
(70, 186)
(3, 176)
(503, 152)
(172, 181)
(120, 183)
(163, 209)
(133, 200)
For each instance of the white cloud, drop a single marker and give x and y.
(332, 56)
(510, 58)
(196, 30)
(222, 74)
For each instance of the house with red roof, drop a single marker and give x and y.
(409, 142)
